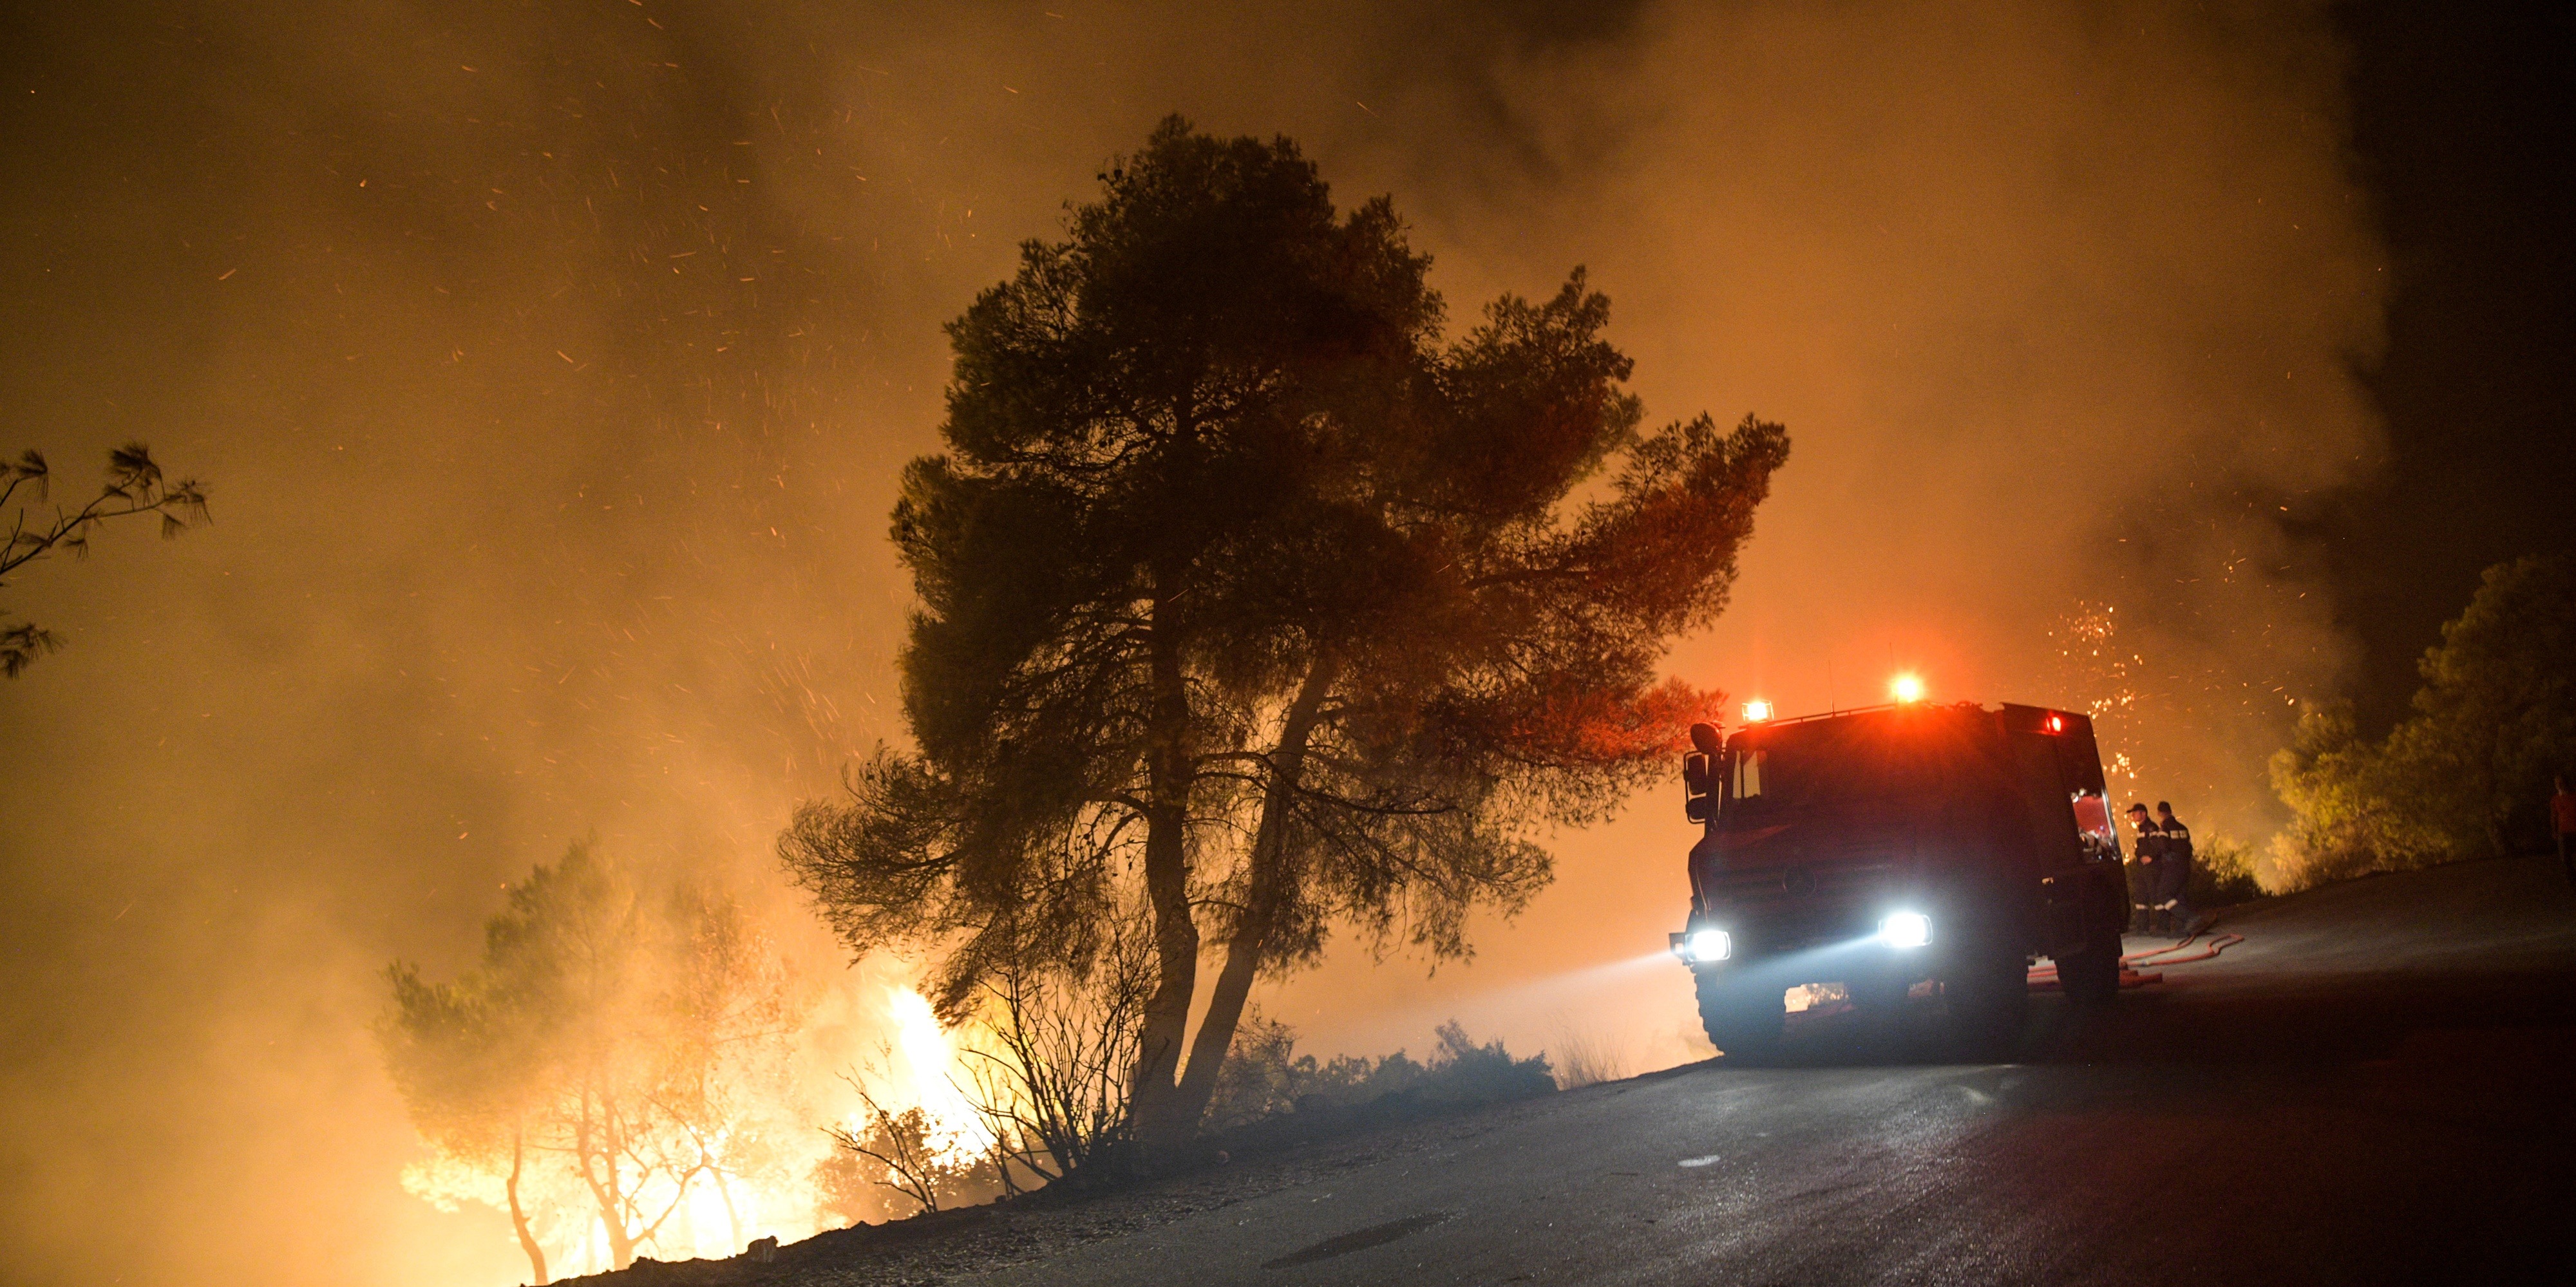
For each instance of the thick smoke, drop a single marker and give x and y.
(552, 366)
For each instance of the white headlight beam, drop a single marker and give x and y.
(1709, 945)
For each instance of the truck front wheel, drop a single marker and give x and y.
(1989, 995)
(1743, 1018)
(2091, 977)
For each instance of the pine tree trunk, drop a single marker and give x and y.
(1267, 890)
(1167, 880)
(518, 1215)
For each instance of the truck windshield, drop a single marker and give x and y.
(1825, 765)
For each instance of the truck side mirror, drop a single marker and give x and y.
(1696, 784)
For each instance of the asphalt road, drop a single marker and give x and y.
(2378, 1085)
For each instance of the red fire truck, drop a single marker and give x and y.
(1894, 846)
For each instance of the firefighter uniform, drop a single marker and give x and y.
(2144, 871)
(2172, 912)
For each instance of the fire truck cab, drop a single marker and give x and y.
(1894, 846)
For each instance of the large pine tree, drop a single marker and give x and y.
(1251, 603)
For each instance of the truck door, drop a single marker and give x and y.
(2079, 765)
(2050, 804)
(2047, 806)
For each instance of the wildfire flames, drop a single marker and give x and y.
(715, 1212)
(930, 1057)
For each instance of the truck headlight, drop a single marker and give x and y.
(1905, 929)
(1709, 945)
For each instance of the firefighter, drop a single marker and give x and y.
(2172, 908)
(2143, 872)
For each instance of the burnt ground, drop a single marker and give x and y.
(2377, 1085)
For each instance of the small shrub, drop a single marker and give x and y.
(1462, 1072)
(904, 1153)
(2222, 875)
(1586, 1059)
(1263, 1076)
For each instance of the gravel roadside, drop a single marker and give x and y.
(950, 1246)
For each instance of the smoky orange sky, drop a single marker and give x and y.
(551, 367)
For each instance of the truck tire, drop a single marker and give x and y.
(1989, 994)
(2091, 977)
(1743, 1020)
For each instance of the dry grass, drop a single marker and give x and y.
(1584, 1058)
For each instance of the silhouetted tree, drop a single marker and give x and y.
(1241, 583)
(607, 1052)
(2501, 688)
(2355, 804)
(724, 1016)
(134, 486)
(469, 1082)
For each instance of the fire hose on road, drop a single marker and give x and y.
(2044, 977)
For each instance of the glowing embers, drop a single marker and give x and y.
(1905, 929)
(1906, 688)
(1756, 711)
